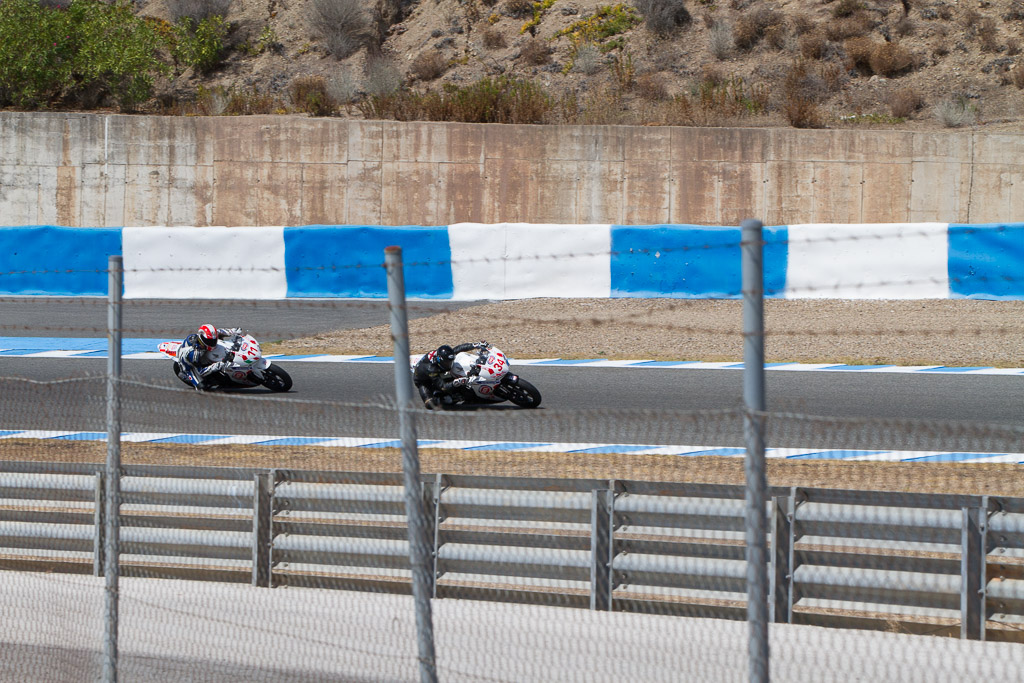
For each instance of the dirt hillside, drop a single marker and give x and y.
(915, 64)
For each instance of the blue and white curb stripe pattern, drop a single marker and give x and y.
(143, 349)
(472, 261)
(523, 447)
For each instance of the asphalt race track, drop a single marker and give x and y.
(580, 404)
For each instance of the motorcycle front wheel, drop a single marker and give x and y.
(523, 394)
(276, 379)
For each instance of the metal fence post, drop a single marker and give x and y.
(973, 581)
(601, 548)
(754, 464)
(419, 550)
(262, 528)
(111, 558)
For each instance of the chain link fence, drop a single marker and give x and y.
(265, 536)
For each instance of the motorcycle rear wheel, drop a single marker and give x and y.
(523, 394)
(276, 379)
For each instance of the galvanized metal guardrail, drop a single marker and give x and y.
(930, 563)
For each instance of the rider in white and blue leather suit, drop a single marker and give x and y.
(201, 354)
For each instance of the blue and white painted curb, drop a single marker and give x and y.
(518, 261)
(518, 446)
(143, 349)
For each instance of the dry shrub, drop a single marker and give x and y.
(802, 23)
(846, 8)
(970, 18)
(905, 27)
(945, 12)
(904, 102)
(941, 50)
(834, 77)
(588, 59)
(858, 53)
(802, 90)
(1013, 47)
(251, 102)
(713, 74)
(804, 83)
(860, 24)
(752, 26)
(651, 87)
(536, 52)
(1017, 76)
(624, 69)
(309, 94)
(381, 76)
(720, 40)
(344, 25)
(775, 36)
(988, 36)
(518, 8)
(802, 113)
(663, 16)
(493, 39)
(1015, 12)
(955, 112)
(890, 59)
(812, 45)
(428, 65)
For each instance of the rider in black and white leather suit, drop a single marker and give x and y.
(433, 373)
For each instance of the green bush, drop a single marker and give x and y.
(77, 55)
(199, 45)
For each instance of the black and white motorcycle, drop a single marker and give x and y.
(491, 380)
(247, 366)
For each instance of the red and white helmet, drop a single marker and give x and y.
(208, 336)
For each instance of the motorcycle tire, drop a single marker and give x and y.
(276, 379)
(523, 394)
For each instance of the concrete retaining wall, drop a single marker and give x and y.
(471, 261)
(93, 170)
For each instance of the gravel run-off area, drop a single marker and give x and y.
(958, 332)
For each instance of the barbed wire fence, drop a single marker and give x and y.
(644, 523)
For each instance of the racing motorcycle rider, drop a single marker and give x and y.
(433, 373)
(201, 354)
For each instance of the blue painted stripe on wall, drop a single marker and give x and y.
(690, 261)
(52, 260)
(986, 261)
(347, 261)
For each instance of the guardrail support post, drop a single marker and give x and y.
(602, 544)
(783, 521)
(973, 582)
(432, 504)
(262, 529)
(99, 521)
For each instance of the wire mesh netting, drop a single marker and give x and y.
(263, 535)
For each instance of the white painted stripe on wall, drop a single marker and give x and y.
(868, 261)
(523, 260)
(204, 263)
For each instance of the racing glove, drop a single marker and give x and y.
(460, 382)
(234, 331)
